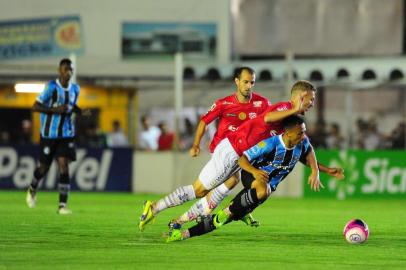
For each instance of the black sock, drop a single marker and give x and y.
(244, 203)
(64, 188)
(36, 179)
(203, 227)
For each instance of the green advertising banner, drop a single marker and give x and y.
(367, 174)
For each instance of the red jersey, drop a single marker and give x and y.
(231, 114)
(252, 132)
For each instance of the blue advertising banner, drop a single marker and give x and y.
(40, 37)
(94, 170)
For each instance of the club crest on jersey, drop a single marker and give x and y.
(257, 104)
(252, 115)
(262, 144)
(242, 116)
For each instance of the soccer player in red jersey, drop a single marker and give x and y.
(231, 112)
(223, 162)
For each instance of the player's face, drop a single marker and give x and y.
(245, 83)
(297, 134)
(65, 72)
(308, 100)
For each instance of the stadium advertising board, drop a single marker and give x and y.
(44, 37)
(94, 170)
(145, 40)
(367, 174)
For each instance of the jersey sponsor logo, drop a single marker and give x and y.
(279, 157)
(232, 128)
(252, 115)
(231, 114)
(242, 116)
(257, 104)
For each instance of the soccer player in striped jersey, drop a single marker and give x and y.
(264, 166)
(57, 105)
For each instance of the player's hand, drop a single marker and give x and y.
(194, 151)
(336, 172)
(61, 109)
(86, 112)
(260, 175)
(314, 181)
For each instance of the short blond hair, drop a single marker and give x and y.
(302, 85)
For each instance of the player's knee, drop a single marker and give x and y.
(232, 182)
(41, 170)
(200, 190)
(261, 190)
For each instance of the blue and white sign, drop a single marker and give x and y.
(94, 170)
(41, 37)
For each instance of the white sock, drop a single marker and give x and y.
(178, 197)
(205, 205)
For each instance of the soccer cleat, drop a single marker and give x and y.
(31, 198)
(147, 215)
(64, 211)
(174, 235)
(250, 221)
(220, 219)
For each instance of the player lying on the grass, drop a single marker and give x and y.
(264, 166)
(223, 162)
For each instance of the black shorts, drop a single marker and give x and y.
(246, 179)
(54, 148)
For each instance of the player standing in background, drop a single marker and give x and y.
(57, 105)
(223, 162)
(264, 166)
(231, 112)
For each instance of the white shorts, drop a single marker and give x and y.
(222, 165)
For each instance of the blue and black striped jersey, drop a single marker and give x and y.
(55, 125)
(272, 156)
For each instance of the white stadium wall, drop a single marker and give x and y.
(102, 28)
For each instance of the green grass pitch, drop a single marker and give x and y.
(102, 234)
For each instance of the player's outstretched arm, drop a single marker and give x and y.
(274, 116)
(195, 149)
(314, 178)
